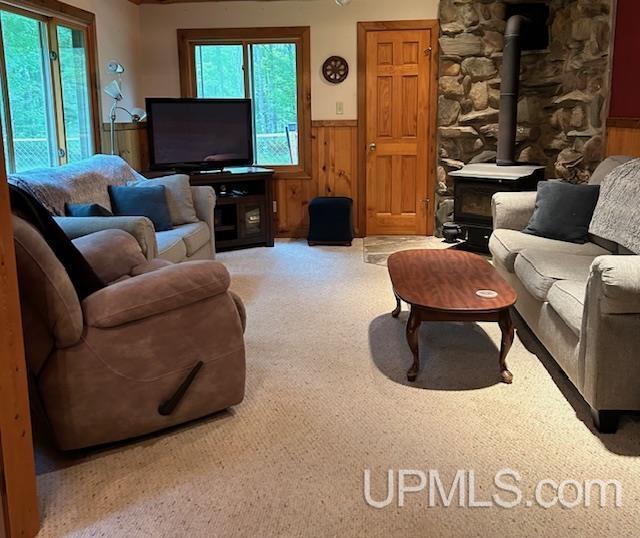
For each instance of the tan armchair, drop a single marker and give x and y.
(160, 345)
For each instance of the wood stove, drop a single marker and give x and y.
(475, 184)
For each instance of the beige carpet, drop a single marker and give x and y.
(327, 398)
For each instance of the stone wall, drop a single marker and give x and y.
(562, 91)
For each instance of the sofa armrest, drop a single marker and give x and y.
(609, 375)
(512, 210)
(204, 200)
(111, 253)
(153, 293)
(141, 228)
(617, 280)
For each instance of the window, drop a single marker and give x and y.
(46, 102)
(220, 71)
(268, 65)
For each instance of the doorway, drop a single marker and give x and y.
(397, 105)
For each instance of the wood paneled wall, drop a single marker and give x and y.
(334, 173)
(131, 143)
(334, 170)
(623, 137)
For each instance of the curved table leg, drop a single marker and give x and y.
(398, 308)
(413, 324)
(506, 325)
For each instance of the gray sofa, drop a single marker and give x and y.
(88, 181)
(582, 301)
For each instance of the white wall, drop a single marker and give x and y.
(333, 31)
(118, 33)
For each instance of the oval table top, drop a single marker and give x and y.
(449, 281)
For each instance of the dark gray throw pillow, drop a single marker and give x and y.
(149, 202)
(87, 210)
(563, 211)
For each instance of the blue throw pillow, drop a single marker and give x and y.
(149, 202)
(87, 210)
(563, 211)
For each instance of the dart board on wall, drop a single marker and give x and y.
(335, 69)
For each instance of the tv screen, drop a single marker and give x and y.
(202, 133)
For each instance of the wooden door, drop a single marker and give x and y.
(398, 113)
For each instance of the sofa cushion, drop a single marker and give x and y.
(194, 236)
(505, 245)
(538, 270)
(111, 253)
(171, 247)
(179, 197)
(567, 298)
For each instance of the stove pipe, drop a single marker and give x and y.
(509, 90)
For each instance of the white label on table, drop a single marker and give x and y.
(487, 294)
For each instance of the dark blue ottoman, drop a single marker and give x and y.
(330, 221)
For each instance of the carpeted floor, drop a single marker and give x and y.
(326, 399)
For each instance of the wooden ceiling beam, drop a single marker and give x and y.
(138, 2)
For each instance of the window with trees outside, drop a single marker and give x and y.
(267, 65)
(46, 101)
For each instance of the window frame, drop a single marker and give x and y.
(189, 39)
(54, 14)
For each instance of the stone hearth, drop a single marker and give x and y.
(562, 91)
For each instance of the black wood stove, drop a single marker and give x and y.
(475, 184)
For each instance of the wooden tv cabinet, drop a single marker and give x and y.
(244, 208)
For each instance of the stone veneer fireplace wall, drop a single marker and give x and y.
(562, 92)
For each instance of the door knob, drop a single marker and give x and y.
(372, 147)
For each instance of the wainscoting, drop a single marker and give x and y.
(334, 170)
(334, 173)
(131, 143)
(623, 137)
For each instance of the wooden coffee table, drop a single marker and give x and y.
(451, 285)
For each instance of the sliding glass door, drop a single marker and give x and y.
(32, 141)
(74, 78)
(45, 92)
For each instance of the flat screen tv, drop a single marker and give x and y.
(205, 134)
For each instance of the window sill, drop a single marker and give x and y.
(290, 172)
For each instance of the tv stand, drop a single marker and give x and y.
(243, 215)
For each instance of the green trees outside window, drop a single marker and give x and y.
(269, 77)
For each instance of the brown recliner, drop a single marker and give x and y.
(112, 366)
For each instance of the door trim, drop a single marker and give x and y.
(432, 135)
(19, 510)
